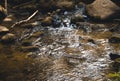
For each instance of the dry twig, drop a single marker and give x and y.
(26, 20)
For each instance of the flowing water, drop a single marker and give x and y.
(72, 54)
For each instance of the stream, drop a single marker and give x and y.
(69, 53)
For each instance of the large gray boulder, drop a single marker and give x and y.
(104, 9)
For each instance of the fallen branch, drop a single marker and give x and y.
(26, 20)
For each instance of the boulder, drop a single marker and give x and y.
(3, 30)
(2, 13)
(104, 9)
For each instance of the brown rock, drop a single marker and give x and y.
(68, 5)
(103, 9)
(3, 30)
(77, 18)
(47, 21)
(8, 38)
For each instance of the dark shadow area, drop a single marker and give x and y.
(117, 2)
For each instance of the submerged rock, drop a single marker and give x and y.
(104, 9)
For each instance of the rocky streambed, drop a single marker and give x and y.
(62, 45)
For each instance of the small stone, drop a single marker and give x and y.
(47, 21)
(77, 18)
(8, 38)
(3, 30)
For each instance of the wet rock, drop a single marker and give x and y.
(8, 38)
(29, 25)
(104, 9)
(2, 13)
(30, 48)
(26, 43)
(87, 1)
(114, 56)
(3, 30)
(115, 39)
(91, 40)
(77, 18)
(67, 5)
(47, 21)
(37, 34)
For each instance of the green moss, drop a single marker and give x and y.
(114, 76)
